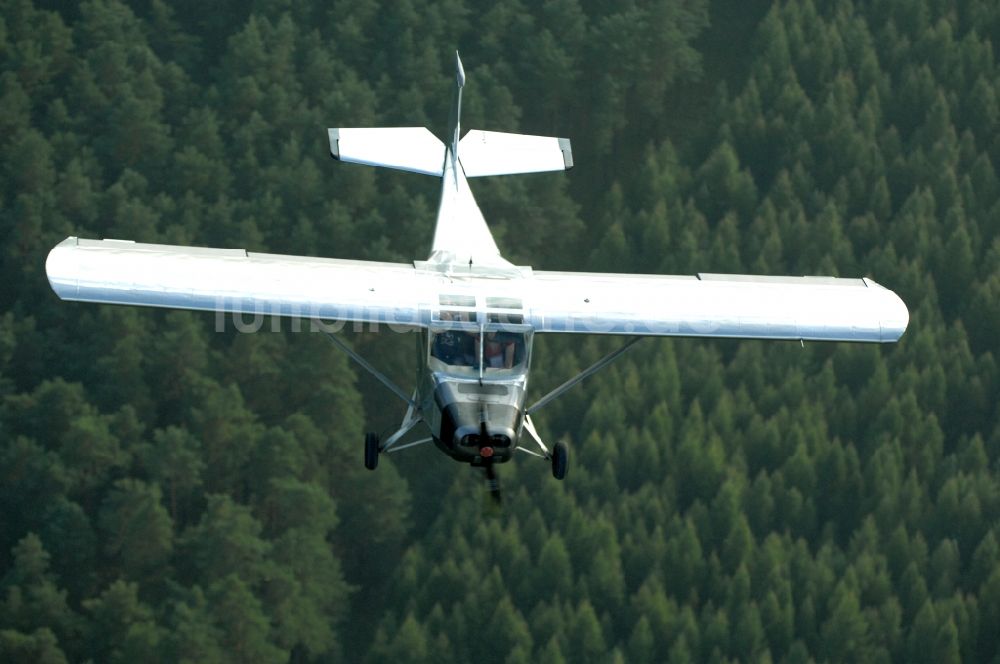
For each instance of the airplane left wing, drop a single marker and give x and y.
(716, 305)
(235, 280)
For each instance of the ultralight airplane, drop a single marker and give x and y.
(477, 313)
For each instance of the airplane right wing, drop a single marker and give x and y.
(716, 305)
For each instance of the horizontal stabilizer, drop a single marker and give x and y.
(413, 149)
(496, 153)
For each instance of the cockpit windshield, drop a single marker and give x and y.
(495, 350)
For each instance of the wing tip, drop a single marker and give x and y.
(60, 281)
(334, 134)
(567, 152)
(894, 324)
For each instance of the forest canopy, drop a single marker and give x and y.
(173, 493)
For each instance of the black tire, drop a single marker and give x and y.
(371, 451)
(560, 459)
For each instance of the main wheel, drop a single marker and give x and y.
(560, 458)
(371, 450)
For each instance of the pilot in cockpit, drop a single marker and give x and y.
(498, 353)
(455, 347)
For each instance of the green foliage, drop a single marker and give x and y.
(174, 494)
(136, 529)
(32, 603)
(39, 647)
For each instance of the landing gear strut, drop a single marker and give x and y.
(371, 450)
(559, 456)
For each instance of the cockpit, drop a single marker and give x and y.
(471, 348)
(462, 346)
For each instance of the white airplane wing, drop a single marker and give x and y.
(235, 280)
(716, 305)
(705, 305)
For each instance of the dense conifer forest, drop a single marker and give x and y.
(169, 493)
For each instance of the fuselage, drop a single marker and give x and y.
(472, 386)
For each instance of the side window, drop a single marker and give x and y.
(504, 310)
(457, 315)
(450, 308)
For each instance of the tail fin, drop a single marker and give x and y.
(454, 118)
(413, 149)
(480, 153)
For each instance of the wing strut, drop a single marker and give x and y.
(591, 370)
(367, 366)
(529, 427)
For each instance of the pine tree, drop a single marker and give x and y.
(32, 601)
(39, 647)
(122, 628)
(245, 634)
(138, 532)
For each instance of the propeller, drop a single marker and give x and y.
(493, 484)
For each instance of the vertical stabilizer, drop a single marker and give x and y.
(462, 240)
(461, 236)
(454, 118)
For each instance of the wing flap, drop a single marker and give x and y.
(740, 306)
(238, 281)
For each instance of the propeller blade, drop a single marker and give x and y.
(493, 484)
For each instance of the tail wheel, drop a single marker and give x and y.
(560, 459)
(371, 450)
